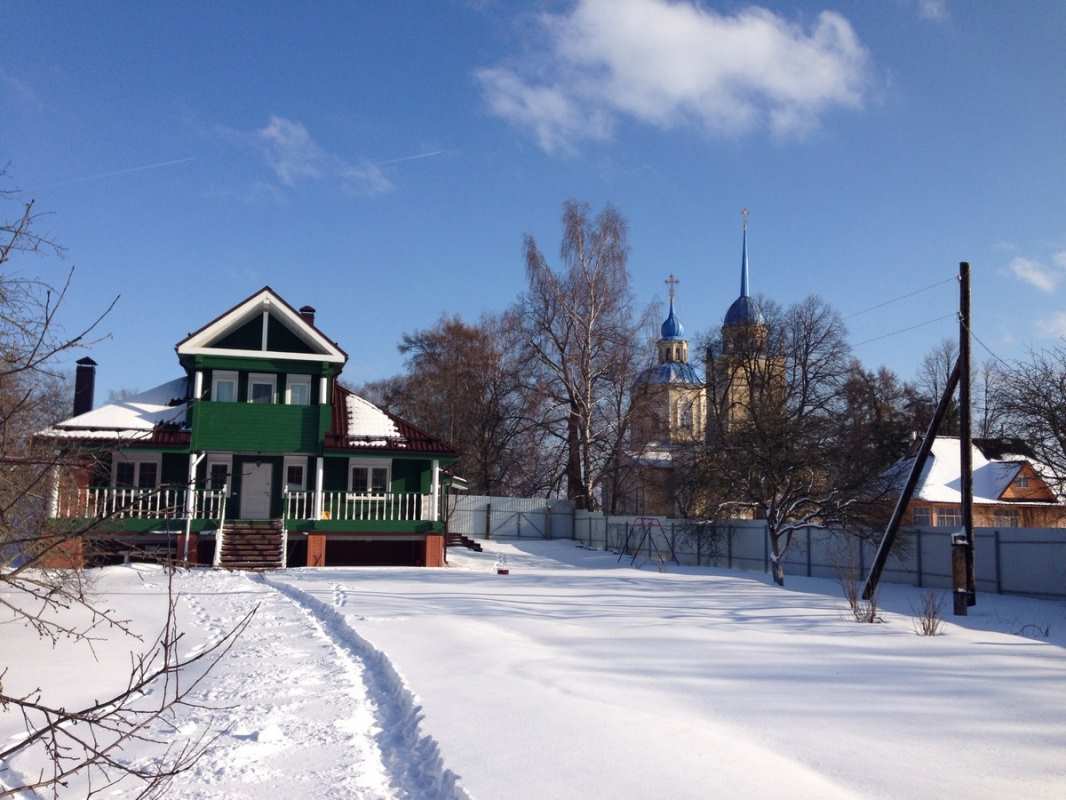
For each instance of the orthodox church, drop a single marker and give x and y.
(674, 404)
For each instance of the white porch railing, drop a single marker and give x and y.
(358, 507)
(162, 503)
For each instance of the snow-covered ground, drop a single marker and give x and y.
(576, 677)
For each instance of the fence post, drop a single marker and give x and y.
(488, 520)
(809, 552)
(548, 521)
(999, 564)
(519, 524)
(729, 546)
(862, 557)
(766, 550)
(918, 536)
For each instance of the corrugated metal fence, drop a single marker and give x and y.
(1007, 560)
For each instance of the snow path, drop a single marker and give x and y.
(300, 721)
(413, 759)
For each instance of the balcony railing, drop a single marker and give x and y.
(162, 503)
(358, 506)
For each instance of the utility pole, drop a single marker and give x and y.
(965, 428)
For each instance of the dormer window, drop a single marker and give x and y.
(1021, 482)
(262, 388)
(298, 390)
(224, 387)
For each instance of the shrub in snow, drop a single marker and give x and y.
(927, 617)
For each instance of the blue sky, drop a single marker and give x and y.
(381, 161)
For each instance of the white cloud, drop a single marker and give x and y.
(936, 10)
(1053, 326)
(1044, 278)
(1059, 259)
(294, 156)
(675, 63)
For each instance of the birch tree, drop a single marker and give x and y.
(581, 337)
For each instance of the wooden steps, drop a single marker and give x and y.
(252, 544)
(460, 540)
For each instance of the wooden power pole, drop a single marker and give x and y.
(965, 427)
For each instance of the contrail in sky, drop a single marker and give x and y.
(127, 171)
(415, 157)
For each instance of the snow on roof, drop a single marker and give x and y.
(133, 418)
(368, 424)
(941, 479)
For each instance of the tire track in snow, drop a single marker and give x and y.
(412, 758)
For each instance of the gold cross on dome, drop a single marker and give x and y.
(671, 282)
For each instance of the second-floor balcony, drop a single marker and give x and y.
(258, 427)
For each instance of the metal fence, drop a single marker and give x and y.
(511, 517)
(1007, 560)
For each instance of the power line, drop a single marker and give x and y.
(904, 330)
(902, 297)
(986, 347)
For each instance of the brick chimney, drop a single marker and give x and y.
(308, 313)
(84, 385)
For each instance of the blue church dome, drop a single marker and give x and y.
(676, 372)
(744, 311)
(672, 327)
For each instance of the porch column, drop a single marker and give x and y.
(198, 384)
(190, 501)
(319, 472)
(323, 382)
(434, 490)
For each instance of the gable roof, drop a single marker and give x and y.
(146, 417)
(200, 341)
(357, 424)
(941, 478)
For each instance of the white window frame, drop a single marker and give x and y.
(219, 458)
(301, 379)
(924, 511)
(263, 377)
(294, 461)
(1023, 481)
(370, 463)
(136, 458)
(224, 376)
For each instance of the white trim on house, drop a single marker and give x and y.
(137, 458)
(301, 380)
(370, 464)
(294, 461)
(224, 376)
(264, 302)
(261, 379)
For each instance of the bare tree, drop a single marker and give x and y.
(582, 343)
(932, 379)
(87, 742)
(1031, 398)
(777, 397)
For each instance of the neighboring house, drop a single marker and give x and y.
(294, 468)
(1009, 487)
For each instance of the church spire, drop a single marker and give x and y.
(744, 253)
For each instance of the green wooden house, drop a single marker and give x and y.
(257, 456)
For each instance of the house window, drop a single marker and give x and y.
(922, 517)
(135, 470)
(1021, 482)
(295, 474)
(298, 390)
(224, 387)
(948, 518)
(368, 477)
(1007, 518)
(261, 388)
(219, 469)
